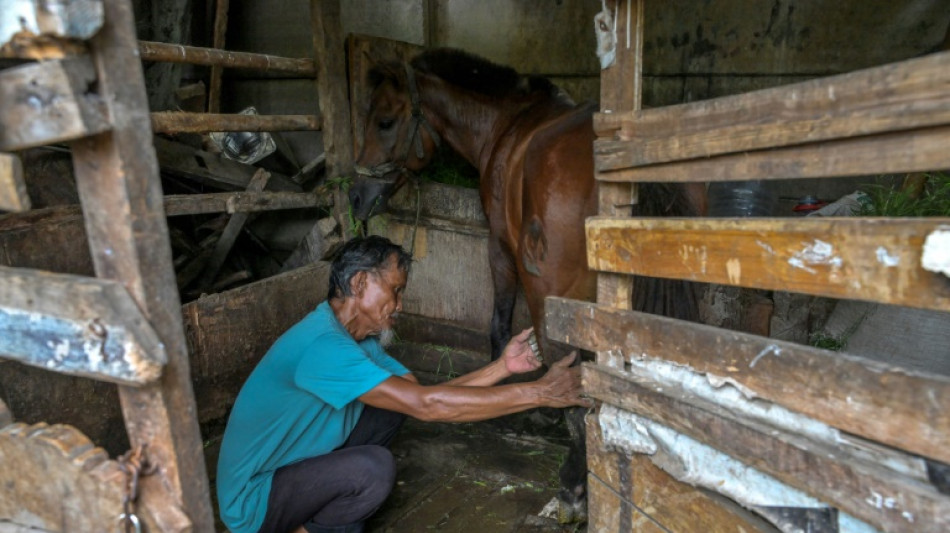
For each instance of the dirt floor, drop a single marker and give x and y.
(495, 476)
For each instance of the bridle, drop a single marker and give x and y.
(416, 119)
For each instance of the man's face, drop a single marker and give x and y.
(381, 297)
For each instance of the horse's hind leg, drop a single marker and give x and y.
(505, 285)
(573, 474)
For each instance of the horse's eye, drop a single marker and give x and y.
(386, 123)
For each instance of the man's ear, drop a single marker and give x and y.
(358, 283)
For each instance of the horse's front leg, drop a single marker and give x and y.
(505, 285)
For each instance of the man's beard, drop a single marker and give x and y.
(386, 337)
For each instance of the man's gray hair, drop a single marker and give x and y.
(363, 254)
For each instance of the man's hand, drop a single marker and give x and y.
(562, 384)
(517, 355)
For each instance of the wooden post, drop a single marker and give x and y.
(620, 90)
(13, 195)
(330, 61)
(213, 57)
(118, 182)
(220, 30)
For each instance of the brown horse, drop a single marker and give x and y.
(533, 148)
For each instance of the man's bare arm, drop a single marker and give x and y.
(560, 387)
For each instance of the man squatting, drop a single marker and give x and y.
(306, 444)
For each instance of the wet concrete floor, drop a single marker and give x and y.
(486, 477)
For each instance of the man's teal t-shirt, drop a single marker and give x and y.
(299, 402)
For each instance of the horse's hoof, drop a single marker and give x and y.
(571, 510)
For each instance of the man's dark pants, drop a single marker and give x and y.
(336, 492)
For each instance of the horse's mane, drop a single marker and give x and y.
(472, 73)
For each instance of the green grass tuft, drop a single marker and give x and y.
(933, 201)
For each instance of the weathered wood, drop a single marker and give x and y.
(906, 95)
(320, 243)
(230, 233)
(49, 102)
(212, 169)
(217, 57)
(860, 396)
(179, 122)
(6, 417)
(118, 182)
(53, 478)
(77, 325)
(829, 473)
(608, 512)
(218, 40)
(905, 151)
(876, 260)
(621, 88)
(51, 239)
(240, 202)
(330, 58)
(645, 488)
(13, 195)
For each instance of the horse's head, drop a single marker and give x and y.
(397, 139)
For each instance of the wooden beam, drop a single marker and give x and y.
(217, 57)
(831, 474)
(621, 88)
(212, 169)
(910, 94)
(49, 102)
(330, 59)
(218, 39)
(118, 182)
(241, 202)
(13, 195)
(78, 326)
(860, 396)
(230, 234)
(906, 151)
(181, 122)
(877, 260)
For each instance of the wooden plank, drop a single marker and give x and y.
(330, 59)
(830, 474)
(51, 239)
(181, 122)
(118, 182)
(212, 169)
(77, 325)
(860, 396)
(906, 151)
(49, 102)
(13, 195)
(609, 513)
(877, 260)
(656, 496)
(910, 94)
(230, 234)
(240, 202)
(621, 88)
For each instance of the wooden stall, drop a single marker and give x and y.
(706, 429)
(113, 313)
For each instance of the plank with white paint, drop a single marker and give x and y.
(877, 260)
(77, 325)
(860, 396)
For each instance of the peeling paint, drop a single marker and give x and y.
(622, 430)
(765, 351)
(693, 462)
(816, 253)
(734, 271)
(885, 258)
(936, 253)
(765, 247)
(720, 382)
(690, 253)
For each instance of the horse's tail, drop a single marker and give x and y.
(668, 297)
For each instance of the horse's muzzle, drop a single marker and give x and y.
(368, 196)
